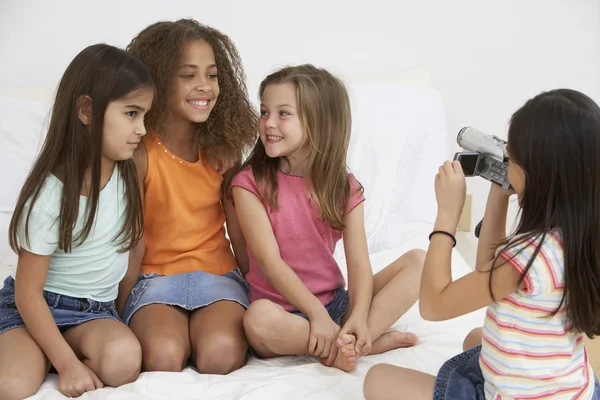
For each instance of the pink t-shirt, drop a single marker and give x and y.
(305, 242)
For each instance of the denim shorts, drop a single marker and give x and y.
(67, 311)
(190, 291)
(461, 378)
(336, 309)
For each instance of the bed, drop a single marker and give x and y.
(399, 140)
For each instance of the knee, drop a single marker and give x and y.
(16, 387)
(120, 361)
(416, 259)
(221, 354)
(472, 339)
(372, 384)
(262, 320)
(164, 354)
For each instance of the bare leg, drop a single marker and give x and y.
(395, 291)
(272, 332)
(163, 332)
(217, 336)
(23, 365)
(387, 382)
(473, 339)
(109, 348)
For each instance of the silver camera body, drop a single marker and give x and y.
(486, 156)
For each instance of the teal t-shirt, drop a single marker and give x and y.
(93, 269)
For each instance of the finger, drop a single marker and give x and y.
(458, 168)
(327, 350)
(367, 348)
(332, 356)
(66, 392)
(320, 347)
(448, 170)
(97, 382)
(359, 345)
(312, 345)
(89, 385)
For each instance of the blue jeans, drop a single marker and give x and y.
(460, 378)
(67, 311)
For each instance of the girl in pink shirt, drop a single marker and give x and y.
(295, 200)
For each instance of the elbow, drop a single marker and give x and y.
(429, 312)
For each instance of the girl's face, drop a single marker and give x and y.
(196, 86)
(279, 126)
(124, 125)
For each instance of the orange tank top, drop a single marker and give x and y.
(183, 216)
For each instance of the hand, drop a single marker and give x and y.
(450, 189)
(358, 328)
(323, 333)
(78, 379)
(499, 192)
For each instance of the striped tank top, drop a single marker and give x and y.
(525, 353)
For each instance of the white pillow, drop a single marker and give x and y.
(398, 142)
(23, 125)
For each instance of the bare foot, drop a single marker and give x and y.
(393, 340)
(346, 356)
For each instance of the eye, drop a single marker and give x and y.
(131, 114)
(263, 113)
(188, 77)
(284, 113)
(213, 76)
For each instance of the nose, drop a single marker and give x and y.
(202, 86)
(140, 129)
(271, 121)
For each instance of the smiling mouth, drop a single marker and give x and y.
(199, 104)
(274, 138)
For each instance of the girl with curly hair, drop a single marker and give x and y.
(184, 295)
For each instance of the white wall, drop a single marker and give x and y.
(486, 57)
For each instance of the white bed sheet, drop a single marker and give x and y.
(293, 378)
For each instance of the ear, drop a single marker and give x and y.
(84, 109)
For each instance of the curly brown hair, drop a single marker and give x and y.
(233, 125)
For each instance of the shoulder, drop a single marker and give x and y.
(243, 177)
(140, 159)
(539, 258)
(356, 192)
(49, 199)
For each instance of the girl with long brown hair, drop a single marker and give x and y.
(295, 200)
(78, 214)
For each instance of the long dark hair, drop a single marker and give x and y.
(555, 139)
(325, 116)
(104, 74)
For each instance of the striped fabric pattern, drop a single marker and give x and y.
(526, 354)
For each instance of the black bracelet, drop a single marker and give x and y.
(444, 233)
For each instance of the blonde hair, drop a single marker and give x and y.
(325, 116)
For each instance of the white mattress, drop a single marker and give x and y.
(301, 377)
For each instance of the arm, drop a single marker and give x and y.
(360, 273)
(31, 275)
(440, 297)
(257, 230)
(235, 233)
(140, 158)
(493, 230)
